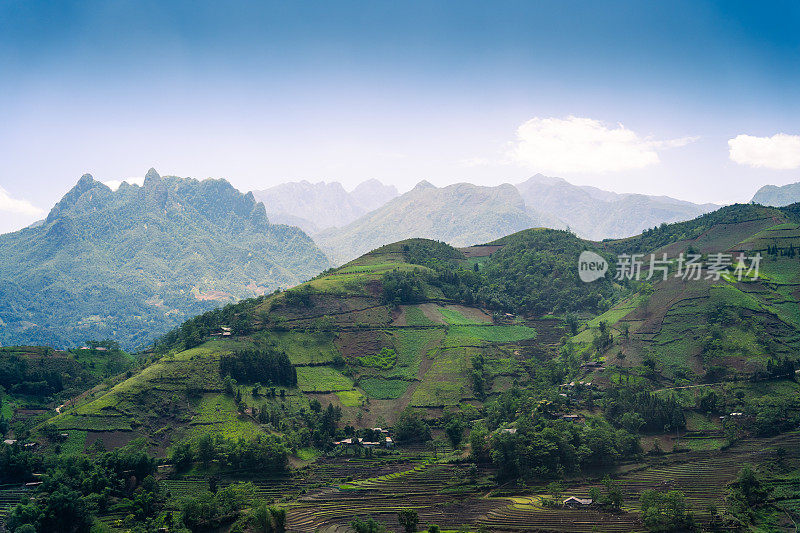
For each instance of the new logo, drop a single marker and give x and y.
(591, 266)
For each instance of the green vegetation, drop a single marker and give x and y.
(662, 390)
(304, 348)
(415, 316)
(251, 366)
(115, 264)
(383, 389)
(384, 360)
(322, 379)
(495, 333)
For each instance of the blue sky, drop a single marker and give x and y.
(678, 98)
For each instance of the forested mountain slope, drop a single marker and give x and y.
(131, 263)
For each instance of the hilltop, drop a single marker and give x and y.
(130, 264)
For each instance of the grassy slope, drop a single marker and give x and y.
(704, 332)
(344, 319)
(326, 339)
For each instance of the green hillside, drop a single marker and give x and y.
(506, 382)
(132, 263)
(352, 346)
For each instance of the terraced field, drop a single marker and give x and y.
(442, 495)
(10, 495)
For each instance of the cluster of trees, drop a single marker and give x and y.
(553, 449)
(655, 412)
(410, 427)
(76, 488)
(39, 377)
(432, 254)
(193, 332)
(780, 368)
(747, 495)
(775, 251)
(18, 465)
(404, 287)
(259, 365)
(262, 452)
(665, 511)
(217, 508)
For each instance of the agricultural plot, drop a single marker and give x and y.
(216, 414)
(495, 333)
(463, 316)
(304, 348)
(445, 382)
(10, 495)
(383, 389)
(75, 443)
(415, 317)
(412, 346)
(322, 379)
(350, 398)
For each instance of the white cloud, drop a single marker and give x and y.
(576, 144)
(21, 207)
(114, 184)
(779, 152)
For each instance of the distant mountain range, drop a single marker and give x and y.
(465, 214)
(596, 214)
(317, 206)
(775, 196)
(461, 214)
(131, 263)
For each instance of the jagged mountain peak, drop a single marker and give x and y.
(190, 244)
(77, 197)
(151, 175)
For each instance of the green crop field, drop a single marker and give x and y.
(217, 415)
(411, 347)
(350, 398)
(384, 389)
(415, 316)
(495, 333)
(75, 443)
(305, 348)
(322, 379)
(456, 318)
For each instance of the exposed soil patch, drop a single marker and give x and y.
(110, 439)
(432, 313)
(352, 344)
